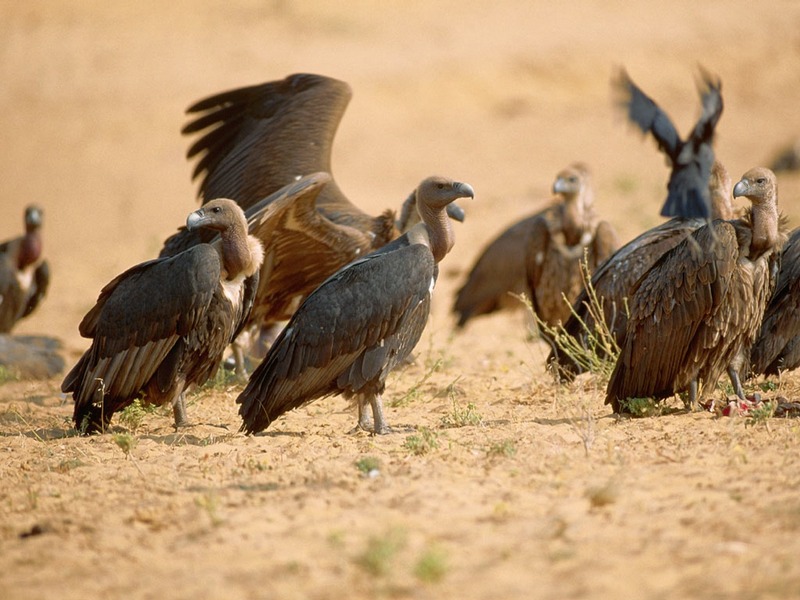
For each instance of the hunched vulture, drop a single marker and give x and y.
(698, 310)
(162, 325)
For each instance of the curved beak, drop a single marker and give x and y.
(740, 189)
(195, 219)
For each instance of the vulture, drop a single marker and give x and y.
(162, 325)
(614, 279)
(255, 140)
(24, 274)
(566, 236)
(365, 319)
(691, 159)
(499, 273)
(777, 348)
(698, 310)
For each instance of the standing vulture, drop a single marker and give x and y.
(499, 273)
(560, 241)
(699, 308)
(613, 280)
(348, 335)
(691, 159)
(163, 325)
(777, 348)
(24, 274)
(257, 139)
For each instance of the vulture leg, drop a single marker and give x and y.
(364, 422)
(692, 405)
(238, 359)
(380, 426)
(179, 411)
(733, 373)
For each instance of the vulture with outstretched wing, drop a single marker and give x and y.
(692, 158)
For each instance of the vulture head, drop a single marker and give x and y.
(433, 196)
(760, 187)
(574, 185)
(218, 215)
(33, 218)
(757, 185)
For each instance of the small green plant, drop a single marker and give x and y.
(640, 407)
(413, 391)
(125, 441)
(7, 374)
(368, 464)
(381, 551)
(222, 380)
(761, 414)
(422, 442)
(210, 503)
(431, 566)
(596, 349)
(133, 415)
(505, 449)
(462, 416)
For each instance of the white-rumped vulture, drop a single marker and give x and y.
(566, 236)
(24, 274)
(500, 271)
(260, 138)
(698, 310)
(348, 335)
(691, 159)
(163, 325)
(613, 280)
(777, 348)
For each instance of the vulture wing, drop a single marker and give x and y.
(138, 319)
(778, 343)
(498, 272)
(672, 309)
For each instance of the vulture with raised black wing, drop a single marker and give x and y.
(348, 335)
(777, 348)
(699, 308)
(500, 272)
(24, 274)
(257, 139)
(163, 325)
(613, 280)
(691, 159)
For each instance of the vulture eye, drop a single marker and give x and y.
(216, 209)
(440, 186)
(761, 181)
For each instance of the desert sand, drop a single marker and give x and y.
(497, 482)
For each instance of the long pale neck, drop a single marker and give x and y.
(241, 253)
(578, 216)
(765, 225)
(440, 230)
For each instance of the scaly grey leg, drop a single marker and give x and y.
(179, 412)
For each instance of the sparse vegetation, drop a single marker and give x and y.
(504, 448)
(462, 416)
(133, 415)
(761, 414)
(422, 442)
(125, 441)
(431, 566)
(368, 464)
(640, 407)
(7, 374)
(379, 555)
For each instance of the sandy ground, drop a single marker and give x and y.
(497, 483)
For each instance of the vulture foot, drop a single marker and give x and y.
(179, 413)
(376, 424)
